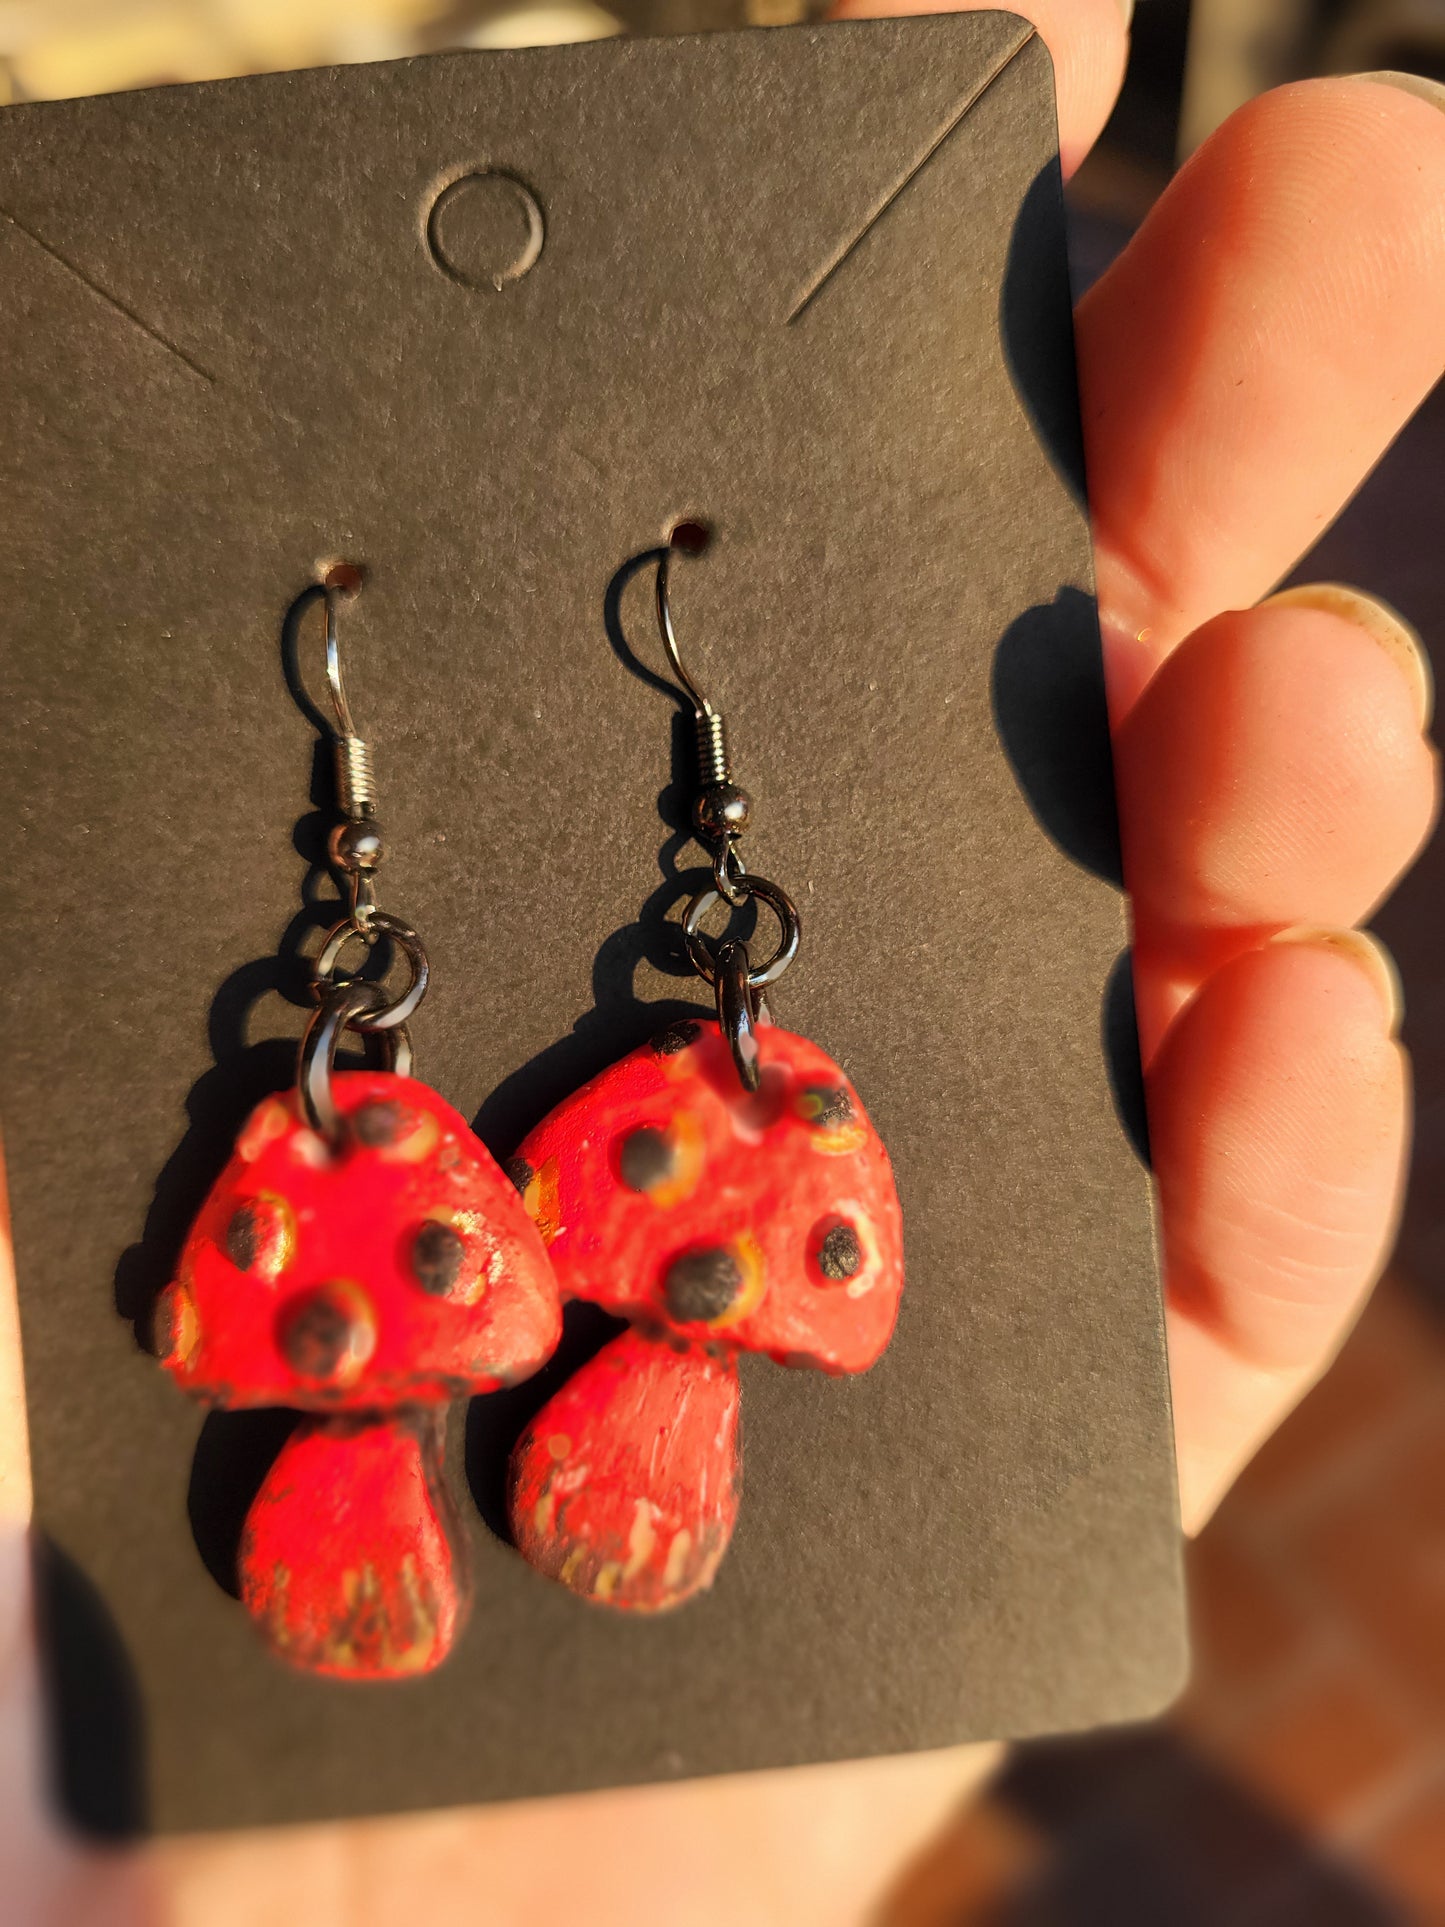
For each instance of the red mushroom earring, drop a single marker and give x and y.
(723, 1190)
(362, 1260)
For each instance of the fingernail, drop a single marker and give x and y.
(1380, 622)
(1126, 7)
(1431, 90)
(1362, 949)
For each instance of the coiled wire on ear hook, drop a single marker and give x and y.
(355, 777)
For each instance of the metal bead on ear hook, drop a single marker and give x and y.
(356, 849)
(721, 812)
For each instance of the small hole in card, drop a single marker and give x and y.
(689, 537)
(345, 577)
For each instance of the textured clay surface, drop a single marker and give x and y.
(349, 1562)
(717, 1221)
(383, 1274)
(766, 1223)
(626, 1484)
(394, 1268)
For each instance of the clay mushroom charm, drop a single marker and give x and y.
(367, 1277)
(716, 1220)
(362, 1260)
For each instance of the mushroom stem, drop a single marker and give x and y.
(350, 1559)
(625, 1486)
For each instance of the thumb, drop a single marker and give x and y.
(49, 1876)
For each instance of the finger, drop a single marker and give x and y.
(815, 1843)
(14, 1454)
(1087, 40)
(1274, 772)
(1277, 1108)
(1254, 350)
(20, 1818)
(47, 1875)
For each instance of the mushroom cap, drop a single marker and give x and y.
(766, 1223)
(395, 1267)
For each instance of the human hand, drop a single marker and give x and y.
(1242, 366)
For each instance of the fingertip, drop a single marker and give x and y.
(1432, 92)
(1366, 953)
(1383, 624)
(1310, 998)
(1274, 773)
(1277, 1107)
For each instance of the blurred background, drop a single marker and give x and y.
(1302, 1777)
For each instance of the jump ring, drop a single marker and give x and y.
(385, 1016)
(341, 1005)
(736, 1012)
(783, 908)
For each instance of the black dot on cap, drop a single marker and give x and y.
(382, 1121)
(323, 1336)
(520, 1172)
(828, 1106)
(436, 1257)
(645, 1158)
(243, 1234)
(677, 1037)
(701, 1285)
(840, 1255)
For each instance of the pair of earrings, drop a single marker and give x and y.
(362, 1260)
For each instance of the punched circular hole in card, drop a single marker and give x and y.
(485, 230)
(690, 536)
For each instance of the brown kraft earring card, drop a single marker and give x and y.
(489, 324)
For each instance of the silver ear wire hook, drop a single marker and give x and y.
(664, 617)
(333, 659)
(721, 812)
(713, 762)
